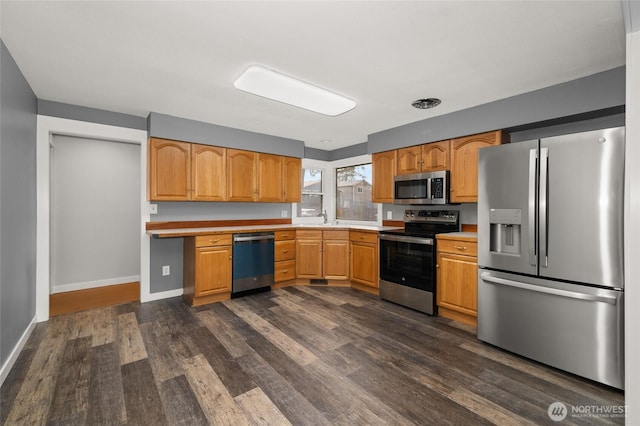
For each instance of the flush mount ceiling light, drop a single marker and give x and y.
(426, 103)
(270, 84)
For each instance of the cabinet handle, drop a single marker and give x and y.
(284, 271)
(460, 248)
(362, 237)
(214, 241)
(285, 251)
(285, 235)
(437, 266)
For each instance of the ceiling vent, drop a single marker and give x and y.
(426, 103)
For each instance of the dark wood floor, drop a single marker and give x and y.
(298, 355)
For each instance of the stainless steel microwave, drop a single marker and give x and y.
(421, 188)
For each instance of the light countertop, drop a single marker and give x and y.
(467, 236)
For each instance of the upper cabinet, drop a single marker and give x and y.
(459, 156)
(208, 173)
(464, 164)
(383, 165)
(269, 178)
(241, 174)
(169, 170)
(181, 171)
(291, 180)
(435, 156)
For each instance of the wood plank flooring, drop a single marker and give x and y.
(296, 355)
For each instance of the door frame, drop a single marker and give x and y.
(47, 128)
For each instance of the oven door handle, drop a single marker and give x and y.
(406, 239)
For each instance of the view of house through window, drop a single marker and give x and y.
(353, 193)
(311, 203)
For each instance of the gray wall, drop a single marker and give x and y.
(18, 106)
(598, 92)
(91, 115)
(86, 192)
(169, 127)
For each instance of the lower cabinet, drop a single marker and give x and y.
(207, 268)
(364, 258)
(457, 278)
(284, 255)
(322, 254)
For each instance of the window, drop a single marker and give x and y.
(311, 203)
(353, 193)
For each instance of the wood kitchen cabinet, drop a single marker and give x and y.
(208, 173)
(207, 268)
(364, 257)
(284, 255)
(464, 164)
(457, 278)
(291, 179)
(383, 165)
(428, 157)
(322, 254)
(169, 170)
(269, 178)
(309, 253)
(435, 156)
(241, 175)
(335, 254)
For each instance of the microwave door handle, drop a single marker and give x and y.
(429, 181)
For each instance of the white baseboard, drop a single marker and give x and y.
(61, 288)
(8, 365)
(161, 295)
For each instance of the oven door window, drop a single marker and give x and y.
(409, 264)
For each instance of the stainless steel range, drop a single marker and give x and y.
(408, 258)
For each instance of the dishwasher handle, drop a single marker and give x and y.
(244, 238)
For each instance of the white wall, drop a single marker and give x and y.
(95, 213)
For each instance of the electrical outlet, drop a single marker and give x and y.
(153, 209)
(389, 215)
(166, 270)
(284, 213)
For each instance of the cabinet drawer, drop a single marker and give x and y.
(285, 270)
(214, 240)
(342, 234)
(467, 248)
(284, 250)
(309, 234)
(289, 234)
(363, 237)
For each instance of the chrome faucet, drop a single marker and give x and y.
(324, 215)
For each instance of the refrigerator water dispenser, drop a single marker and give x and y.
(505, 225)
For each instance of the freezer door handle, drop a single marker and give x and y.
(486, 277)
(533, 172)
(544, 207)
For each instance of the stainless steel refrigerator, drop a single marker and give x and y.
(550, 251)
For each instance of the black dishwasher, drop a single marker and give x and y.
(253, 254)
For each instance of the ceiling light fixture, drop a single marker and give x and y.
(426, 103)
(270, 84)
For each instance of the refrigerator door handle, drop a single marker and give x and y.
(486, 277)
(533, 171)
(544, 207)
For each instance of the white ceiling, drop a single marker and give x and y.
(181, 58)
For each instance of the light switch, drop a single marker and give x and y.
(153, 209)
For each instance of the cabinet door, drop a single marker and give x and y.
(383, 165)
(208, 173)
(240, 175)
(464, 165)
(291, 179)
(457, 283)
(409, 160)
(309, 258)
(169, 164)
(336, 259)
(364, 263)
(269, 178)
(213, 270)
(435, 156)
